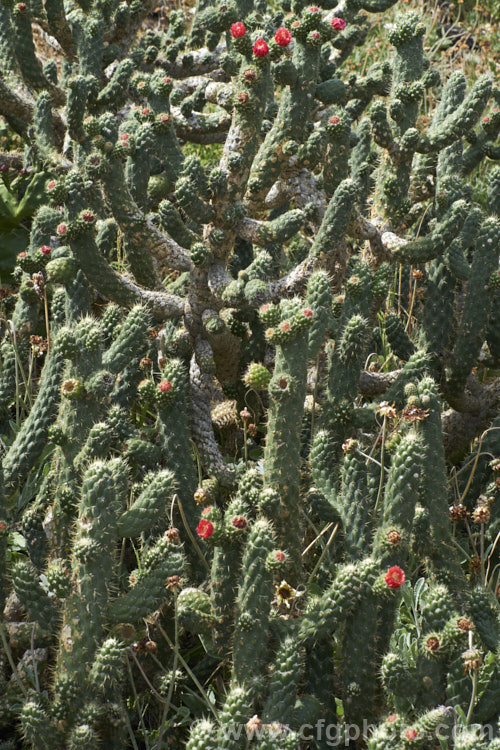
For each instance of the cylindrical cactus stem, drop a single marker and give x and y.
(77, 298)
(42, 124)
(131, 342)
(137, 173)
(399, 341)
(201, 387)
(278, 736)
(59, 25)
(31, 439)
(162, 566)
(40, 608)
(443, 561)
(360, 665)
(484, 611)
(75, 106)
(319, 300)
(406, 92)
(226, 564)
(6, 43)
(474, 317)
(253, 607)
(324, 457)
(429, 247)
(345, 364)
(493, 329)
(493, 186)
(330, 236)
(320, 680)
(151, 506)
(235, 713)
(400, 680)
(282, 453)
(174, 439)
(24, 319)
(437, 610)
(107, 670)
(93, 564)
(38, 727)
(32, 524)
(203, 736)
(391, 544)
(194, 610)
(356, 505)
(4, 531)
(325, 614)
(438, 310)
(284, 682)
(473, 739)
(24, 47)
(414, 369)
(392, 539)
(486, 709)
(458, 684)
(82, 390)
(436, 723)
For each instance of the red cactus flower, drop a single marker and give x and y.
(283, 37)
(205, 529)
(285, 326)
(334, 120)
(238, 30)
(395, 577)
(21, 254)
(45, 250)
(167, 80)
(392, 718)
(260, 48)
(279, 556)
(313, 9)
(62, 229)
(125, 136)
(145, 111)
(307, 312)
(411, 734)
(338, 23)
(165, 386)
(51, 185)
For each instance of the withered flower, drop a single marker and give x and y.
(415, 414)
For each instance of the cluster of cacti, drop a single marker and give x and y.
(252, 496)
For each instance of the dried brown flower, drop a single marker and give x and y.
(415, 414)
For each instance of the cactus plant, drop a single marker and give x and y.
(251, 497)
